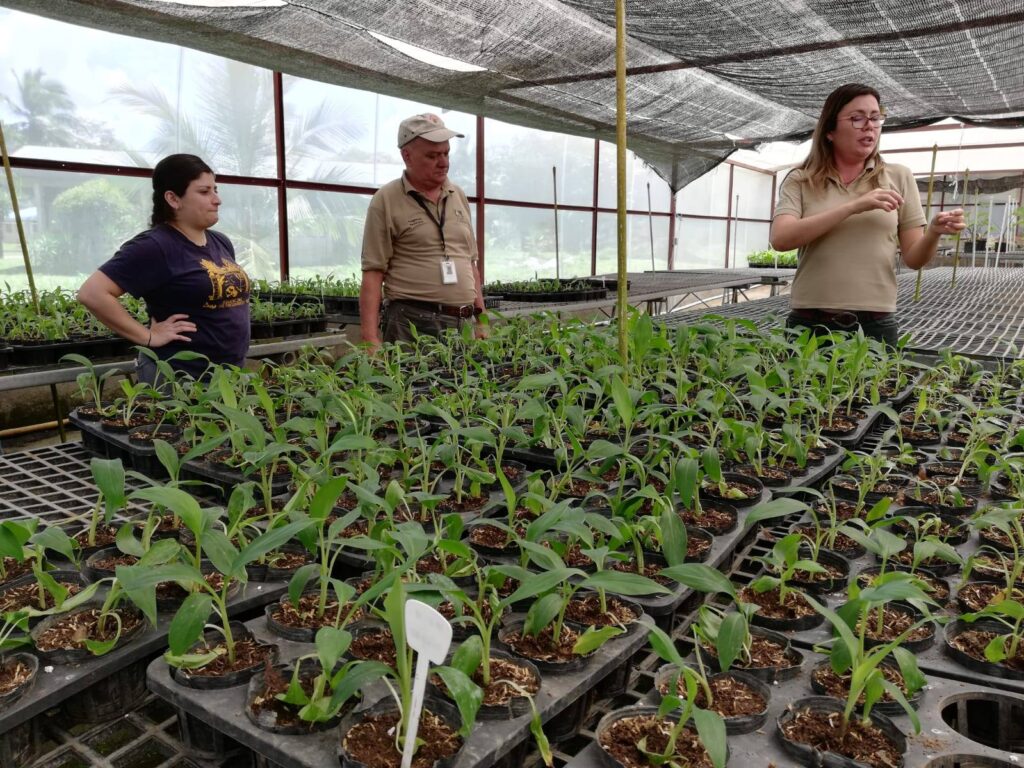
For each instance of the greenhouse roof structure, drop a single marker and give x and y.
(704, 78)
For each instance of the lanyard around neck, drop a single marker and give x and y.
(438, 222)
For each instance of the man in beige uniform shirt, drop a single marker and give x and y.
(419, 250)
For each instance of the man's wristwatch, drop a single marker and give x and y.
(477, 311)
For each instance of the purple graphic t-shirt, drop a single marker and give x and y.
(173, 275)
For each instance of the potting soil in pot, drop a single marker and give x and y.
(864, 743)
(372, 741)
(621, 738)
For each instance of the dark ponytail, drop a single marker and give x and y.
(174, 173)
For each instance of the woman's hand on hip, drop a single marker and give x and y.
(878, 200)
(948, 222)
(170, 329)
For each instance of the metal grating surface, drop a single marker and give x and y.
(983, 315)
(52, 484)
(147, 736)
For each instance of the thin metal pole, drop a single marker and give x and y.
(554, 197)
(620, 142)
(671, 264)
(56, 412)
(736, 232)
(481, 200)
(593, 214)
(650, 224)
(728, 218)
(956, 245)
(927, 217)
(284, 258)
(17, 219)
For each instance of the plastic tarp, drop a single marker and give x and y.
(704, 77)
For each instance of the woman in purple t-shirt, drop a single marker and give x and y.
(196, 295)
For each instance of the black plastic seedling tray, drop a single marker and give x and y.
(933, 660)
(489, 743)
(62, 681)
(142, 458)
(946, 708)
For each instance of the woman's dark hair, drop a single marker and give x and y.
(174, 173)
(819, 164)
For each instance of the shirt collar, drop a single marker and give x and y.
(446, 189)
(869, 166)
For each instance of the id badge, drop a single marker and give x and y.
(448, 274)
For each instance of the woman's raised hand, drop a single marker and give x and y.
(948, 222)
(878, 200)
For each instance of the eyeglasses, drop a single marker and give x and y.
(859, 121)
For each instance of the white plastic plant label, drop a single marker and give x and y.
(429, 634)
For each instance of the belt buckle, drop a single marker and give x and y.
(845, 319)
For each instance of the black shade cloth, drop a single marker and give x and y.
(705, 78)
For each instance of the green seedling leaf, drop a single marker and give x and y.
(294, 695)
(102, 647)
(127, 543)
(467, 694)
(53, 538)
(326, 497)
(468, 657)
(109, 477)
(995, 651)
(622, 583)
(674, 539)
(187, 625)
(732, 637)
(178, 502)
(594, 638)
(541, 613)
(193, 660)
(711, 729)
(700, 577)
(13, 538)
(58, 592)
(331, 644)
(664, 646)
(537, 729)
(267, 542)
(773, 509)
(139, 583)
(221, 552)
(168, 457)
(300, 579)
(686, 474)
(538, 583)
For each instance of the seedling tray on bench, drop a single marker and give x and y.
(947, 708)
(56, 683)
(489, 743)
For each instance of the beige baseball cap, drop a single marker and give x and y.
(426, 126)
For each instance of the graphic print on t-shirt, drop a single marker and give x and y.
(229, 285)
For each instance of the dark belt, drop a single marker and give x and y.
(452, 310)
(841, 317)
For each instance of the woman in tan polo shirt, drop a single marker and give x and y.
(849, 212)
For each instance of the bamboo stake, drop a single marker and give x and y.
(17, 220)
(928, 216)
(620, 156)
(956, 244)
(650, 224)
(554, 189)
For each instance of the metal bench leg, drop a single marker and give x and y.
(57, 413)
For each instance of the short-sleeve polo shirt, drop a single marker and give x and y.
(851, 267)
(402, 239)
